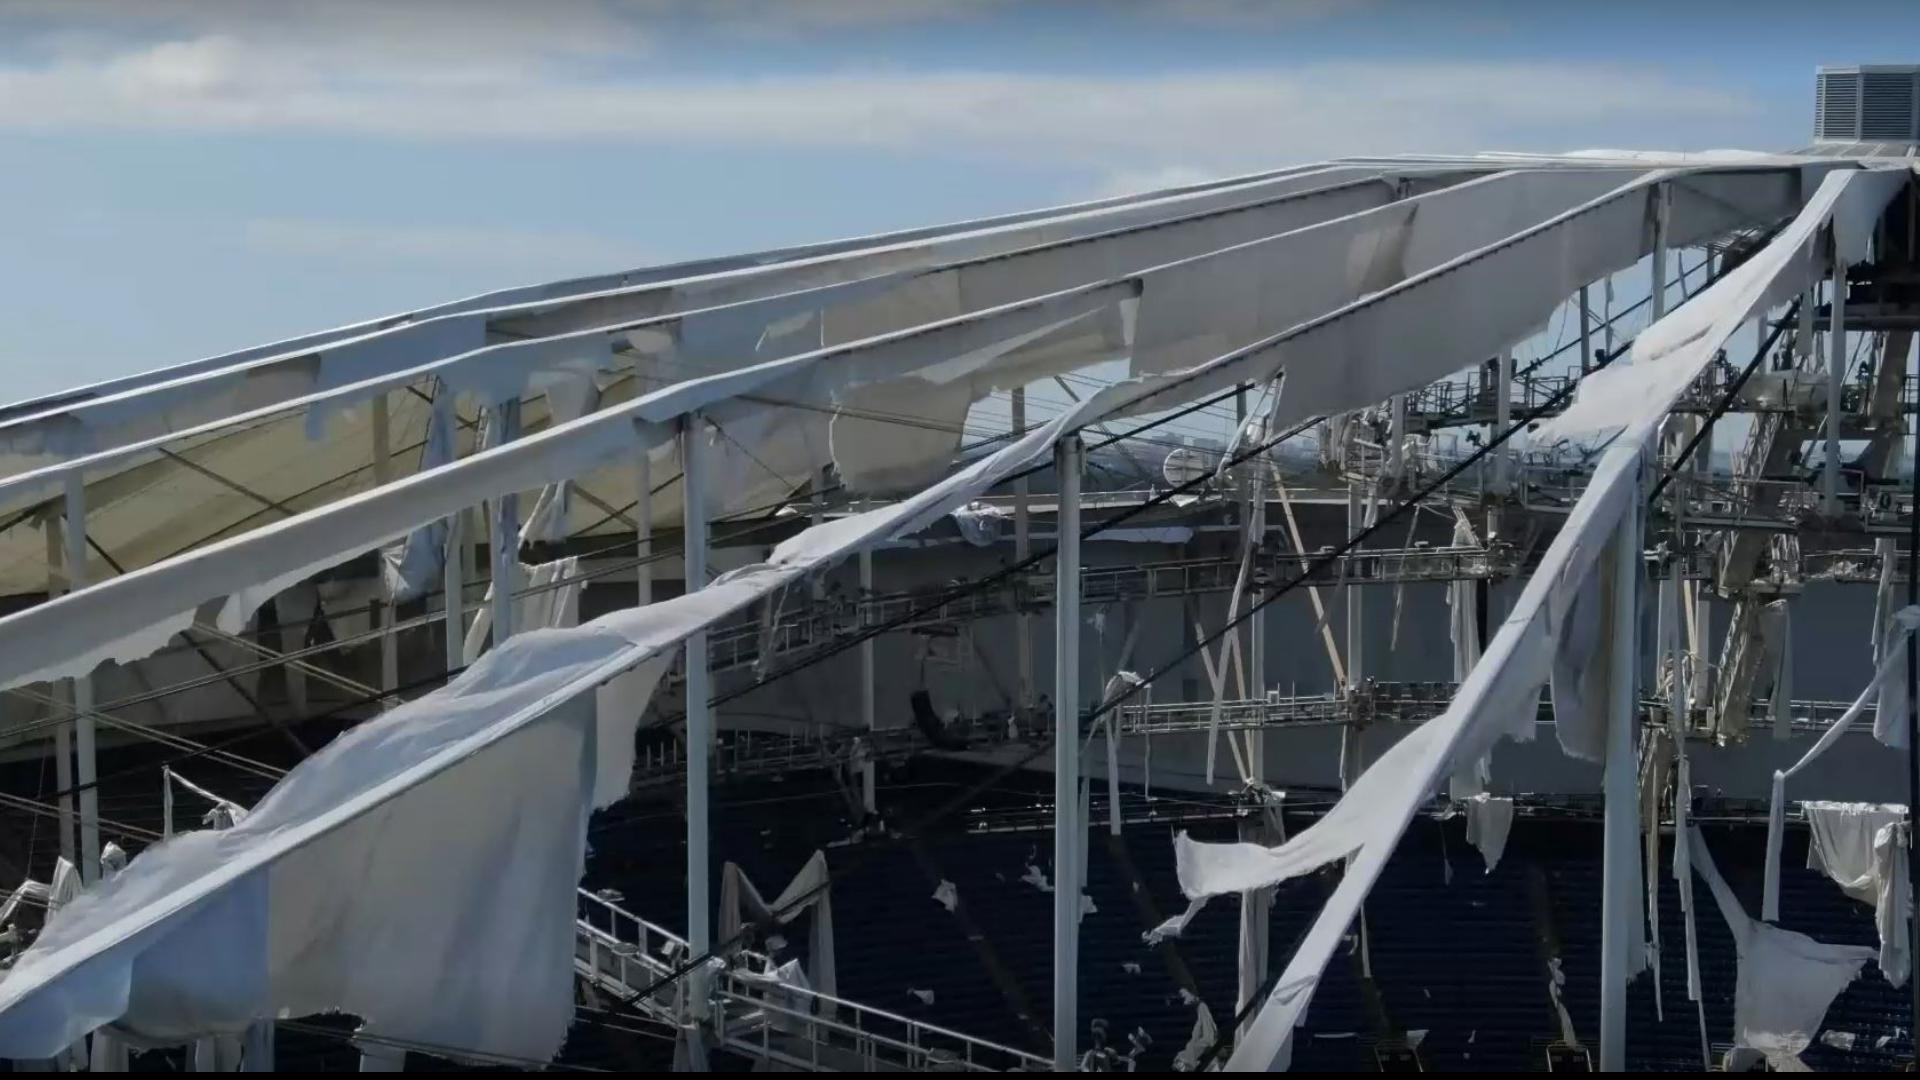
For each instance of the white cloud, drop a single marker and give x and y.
(583, 69)
(1244, 13)
(350, 33)
(1134, 181)
(1208, 121)
(491, 248)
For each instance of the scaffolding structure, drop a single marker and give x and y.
(591, 482)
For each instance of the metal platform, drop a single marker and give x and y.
(753, 1013)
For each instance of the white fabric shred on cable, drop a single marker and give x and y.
(1489, 820)
(1890, 667)
(1787, 980)
(740, 901)
(1861, 846)
(1364, 826)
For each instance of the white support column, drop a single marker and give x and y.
(1662, 203)
(1586, 333)
(382, 476)
(1675, 643)
(1252, 673)
(453, 586)
(382, 440)
(381, 611)
(1397, 451)
(643, 528)
(1022, 549)
(1620, 904)
(62, 691)
(1352, 751)
(1836, 372)
(1356, 611)
(1701, 592)
(1067, 826)
(1803, 337)
(84, 776)
(867, 674)
(698, 685)
(505, 544)
(257, 1047)
(818, 500)
(1257, 635)
(453, 565)
(1606, 322)
(1503, 419)
(376, 1058)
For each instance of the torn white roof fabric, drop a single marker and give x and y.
(200, 935)
(1489, 820)
(1892, 662)
(420, 871)
(119, 411)
(740, 903)
(1786, 980)
(1367, 822)
(157, 601)
(1666, 357)
(1862, 847)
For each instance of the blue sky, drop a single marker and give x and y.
(180, 177)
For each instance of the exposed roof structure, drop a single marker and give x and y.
(615, 405)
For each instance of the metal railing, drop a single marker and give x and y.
(754, 1013)
(817, 623)
(748, 753)
(1404, 702)
(751, 753)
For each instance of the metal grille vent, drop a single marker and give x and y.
(1839, 107)
(1886, 106)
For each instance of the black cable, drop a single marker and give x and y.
(1085, 722)
(972, 791)
(1329, 558)
(979, 585)
(1254, 1003)
(967, 795)
(1260, 997)
(1275, 594)
(256, 732)
(652, 556)
(1726, 401)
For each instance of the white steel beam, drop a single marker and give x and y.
(83, 749)
(1620, 909)
(643, 529)
(505, 544)
(1068, 460)
(62, 692)
(1836, 372)
(867, 674)
(698, 687)
(1022, 549)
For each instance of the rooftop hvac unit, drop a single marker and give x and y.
(1867, 103)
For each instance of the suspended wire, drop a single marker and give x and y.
(1084, 724)
(351, 705)
(656, 554)
(951, 595)
(1103, 709)
(1274, 594)
(373, 635)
